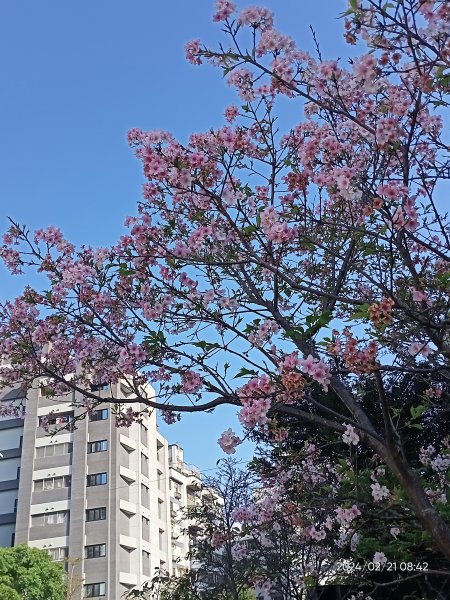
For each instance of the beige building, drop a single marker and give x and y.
(184, 491)
(107, 499)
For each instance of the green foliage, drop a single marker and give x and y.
(30, 573)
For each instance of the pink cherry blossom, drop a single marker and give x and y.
(379, 558)
(228, 441)
(224, 9)
(192, 382)
(379, 492)
(350, 436)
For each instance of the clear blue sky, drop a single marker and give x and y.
(76, 75)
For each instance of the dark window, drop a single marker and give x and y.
(56, 419)
(100, 446)
(18, 472)
(97, 479)
(96, 514)
(97, 387)
(99, 415)
(93, 590)
(15, 505)
(95, 551)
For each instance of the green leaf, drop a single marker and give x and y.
(296, 332)
(417, 411)
(246, 372)
(206, 345)
(443, 278)
(362, 312)
(249, 229)
(125, 270)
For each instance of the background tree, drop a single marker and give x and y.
(263, 268)
(30, 573)
(217, 573)
(220, 573)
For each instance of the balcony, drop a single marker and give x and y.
(130, 543)
(129, 508)
(127, 474)
(128, 578)
(129, 444)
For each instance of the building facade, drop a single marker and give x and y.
(105, 499)
(185, 490)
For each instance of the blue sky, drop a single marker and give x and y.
(76, 76)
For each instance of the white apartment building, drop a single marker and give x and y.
(102, 497)
(184, 491)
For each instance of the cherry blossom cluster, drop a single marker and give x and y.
(256, 398)
(228, 441)
(381, 313)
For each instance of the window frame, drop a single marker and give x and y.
(58, 517)
(67, 449)
(97, 446)
(97, 478)
(92, 510)
(99, 415)
(95, 551)
(66, 483)
(64, 550)
(52, 419)
(91, 589)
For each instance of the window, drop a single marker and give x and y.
(52, 518)
(93, 590)
(145, 501)
(96, 514)
(146, 563)
(97, 387)
(100, 446)
(161, 514)
(53, 450)
(95, 551)
(144, 464)
(160, 451)
(99, 415)
(97, 479)
(177, 489)
(56, 419)
(52, 483)
(58, 553)
(145, 529)
(144, 435)
(161, 539)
